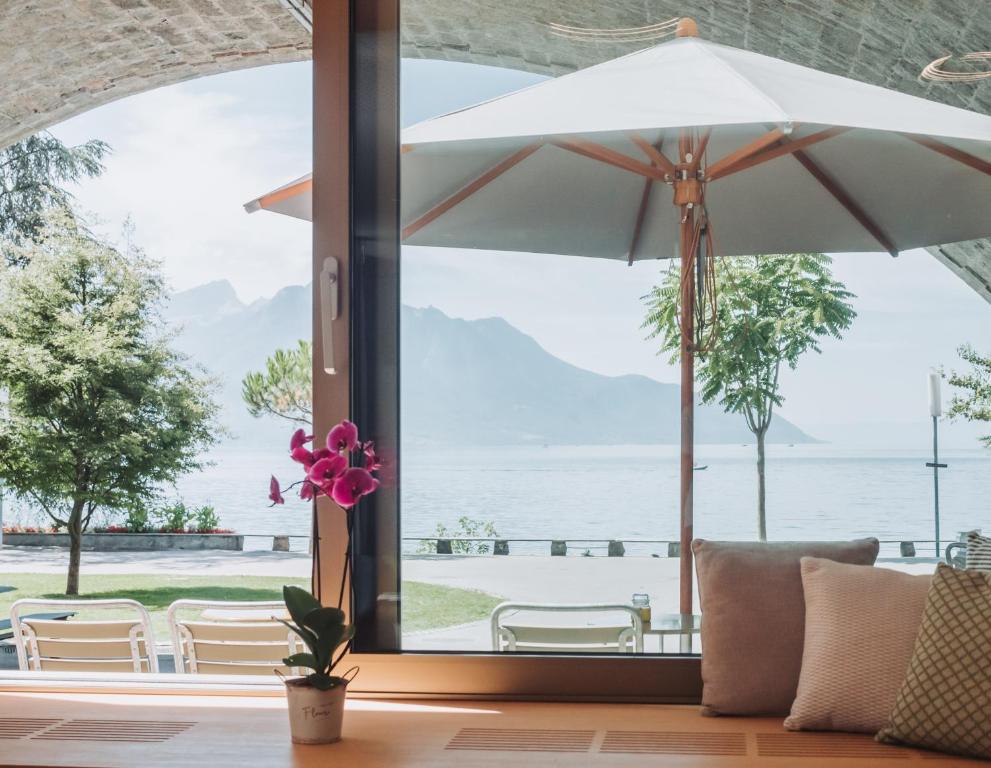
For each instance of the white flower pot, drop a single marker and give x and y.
(315, 716)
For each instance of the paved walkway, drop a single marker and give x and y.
(188, 563)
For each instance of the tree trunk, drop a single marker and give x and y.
(75, 529)
(761, 488)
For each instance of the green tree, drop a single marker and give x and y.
(32, 173)
(772, 309)
(974, 404)
(96, 409)
(284, 388)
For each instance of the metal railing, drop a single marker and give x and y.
(920, 549)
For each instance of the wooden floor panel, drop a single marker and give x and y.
(113, 731)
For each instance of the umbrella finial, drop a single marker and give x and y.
(686, 28)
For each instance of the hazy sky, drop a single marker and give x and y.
(187, 157)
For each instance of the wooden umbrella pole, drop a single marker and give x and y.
(687, 194)
(687, 407)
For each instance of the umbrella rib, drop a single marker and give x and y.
(700, 152)
(610, 157)
(657, 157)
(952, 152)
(648, 185)
(722, 166)
(784, 148)
(298, 188)
(843, 198)
(470, 189)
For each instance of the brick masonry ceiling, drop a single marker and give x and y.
(62, 57)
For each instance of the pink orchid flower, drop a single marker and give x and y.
(302, 455)
(308, 458)
(299, 438)
(352, 485)
(343, 437)
(306, 491)
(325, 473)
(275, 492)
(372, 462)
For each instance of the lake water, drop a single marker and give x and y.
(630, 492)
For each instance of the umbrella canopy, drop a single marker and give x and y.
(293, 199)
(797, 160)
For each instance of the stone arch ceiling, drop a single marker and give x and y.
(61, 57)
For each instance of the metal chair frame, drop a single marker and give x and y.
(505, 639)
(184, 644)
(26, 638)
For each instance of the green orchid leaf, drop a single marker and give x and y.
(299, 602)
(307, 660)
(305, 634)
(324, 620)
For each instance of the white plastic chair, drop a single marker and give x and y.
(231, 638)
(589, 637)
(108, 645)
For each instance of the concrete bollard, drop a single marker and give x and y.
(674, 549)
(559, 548)
(616, 549)
(908, 548)
(501, 547)
(444, 547)
(280, 543)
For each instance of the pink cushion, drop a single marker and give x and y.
(753, 626)
(860, 629)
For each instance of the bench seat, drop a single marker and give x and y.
(85, 730)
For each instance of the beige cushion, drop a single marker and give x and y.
(860, 628)
(978, 552)
(754, 619)
(945, 701)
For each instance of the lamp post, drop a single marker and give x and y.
(935, 410)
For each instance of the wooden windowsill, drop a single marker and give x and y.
(253, 730)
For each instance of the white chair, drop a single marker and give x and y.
(605, 635)
(107, 645)
(231, 638)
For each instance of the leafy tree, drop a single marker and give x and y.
(31, 174)
(771, 310)
(975, 403)
(96, 409)
(284, 388)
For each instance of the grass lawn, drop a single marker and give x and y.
(425, 606)
(431, 606)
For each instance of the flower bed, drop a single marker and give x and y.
(187, 532)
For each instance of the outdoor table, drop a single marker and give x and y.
(684, 625)
(6, 628)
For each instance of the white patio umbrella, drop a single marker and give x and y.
(293, 199)
(642, 156)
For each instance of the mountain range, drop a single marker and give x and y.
(464, 382)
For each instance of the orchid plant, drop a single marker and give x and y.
(329, 472)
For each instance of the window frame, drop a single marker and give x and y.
(356, 96)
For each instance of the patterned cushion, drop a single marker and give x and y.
(860, 628)
(945, 700)
(978, 551)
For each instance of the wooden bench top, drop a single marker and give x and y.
(110, 730)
